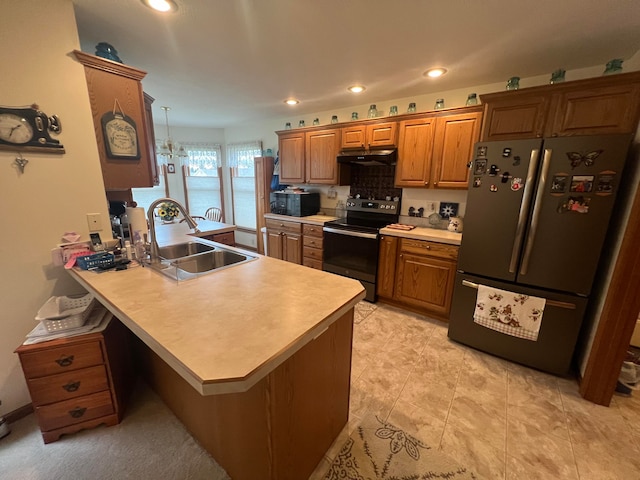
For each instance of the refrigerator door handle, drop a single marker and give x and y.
(524, 209)
(550, 303)
(537, 207)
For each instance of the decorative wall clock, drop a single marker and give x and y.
(28, 129)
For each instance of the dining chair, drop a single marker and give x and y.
(214, 214)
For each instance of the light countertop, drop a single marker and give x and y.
(224, 331)
(425, 233)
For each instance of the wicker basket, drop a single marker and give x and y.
(64, 313)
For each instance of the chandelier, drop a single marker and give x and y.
(170, 149)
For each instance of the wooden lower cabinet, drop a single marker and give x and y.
(79, 382)
(418, 274)
(279, 429)
(226, 238)
(387, 266)
(284, 240)
(312, 249)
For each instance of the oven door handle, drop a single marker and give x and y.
(350, 233)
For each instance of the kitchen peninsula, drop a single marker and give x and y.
(254, 359)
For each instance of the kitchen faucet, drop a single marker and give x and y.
(153, 254)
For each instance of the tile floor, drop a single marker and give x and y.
(502, 420)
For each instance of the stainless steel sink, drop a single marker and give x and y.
(209, 261)
(192, 259)
(183, 250)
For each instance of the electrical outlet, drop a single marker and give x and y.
(431, 207)
(95, 222)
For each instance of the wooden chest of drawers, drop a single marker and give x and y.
(312, 245)
(79, 382)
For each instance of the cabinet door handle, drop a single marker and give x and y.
(65, 361)
(426, 183)
(77, 412)
(435, 183)
(401, 255)
(71, 386)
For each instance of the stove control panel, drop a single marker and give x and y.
(377, 206)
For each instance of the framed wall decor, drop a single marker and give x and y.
(120, 134)
(171, 168)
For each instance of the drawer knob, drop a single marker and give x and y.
(71, 386)
(77, 412)
(65, 361)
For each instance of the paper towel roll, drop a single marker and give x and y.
(137, 221)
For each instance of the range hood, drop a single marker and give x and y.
(368, 158)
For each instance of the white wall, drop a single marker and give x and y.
(56, 191)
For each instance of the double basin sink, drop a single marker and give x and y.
(190, 259)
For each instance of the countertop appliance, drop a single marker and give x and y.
(351, 243)
(536, 221)
(296, 204)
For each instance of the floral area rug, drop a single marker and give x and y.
(379, 450)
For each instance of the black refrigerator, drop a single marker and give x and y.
(536, 221)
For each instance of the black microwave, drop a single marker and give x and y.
(295, 204)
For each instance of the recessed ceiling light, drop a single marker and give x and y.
(161, 5)
(292, 101)
(356, 88)
(435, 72)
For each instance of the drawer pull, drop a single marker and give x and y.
(77, 412)
(65, 361)
(71, 386)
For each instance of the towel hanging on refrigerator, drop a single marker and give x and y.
(510, 313)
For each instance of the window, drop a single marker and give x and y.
(202, 178)
(243, 185)
(145, 196)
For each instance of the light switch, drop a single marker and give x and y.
(95, 222)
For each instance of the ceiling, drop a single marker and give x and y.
(223, 63)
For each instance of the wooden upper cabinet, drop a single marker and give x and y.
(415, 149)
(377, 135)
(455, 136)
(151, 138)
(291, 147)
(322, 148)
(354, 137)
(594, 106)
(115, 86)
(382, 134)
(509, 117)
(595, 111)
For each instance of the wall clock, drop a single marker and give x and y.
(28, 129)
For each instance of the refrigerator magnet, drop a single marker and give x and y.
(493, 170)
(506, 153)
(559, 183)
(574, 204)
(477, 181)
(605, 183)
(493, 188)
(482, 152)
(480, 167)
(516, 183)
(588, 158)
(581, 183)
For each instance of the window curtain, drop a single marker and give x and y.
(243, 188)
(202, 182)
(203, 159)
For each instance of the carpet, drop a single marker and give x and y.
(380, 450)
